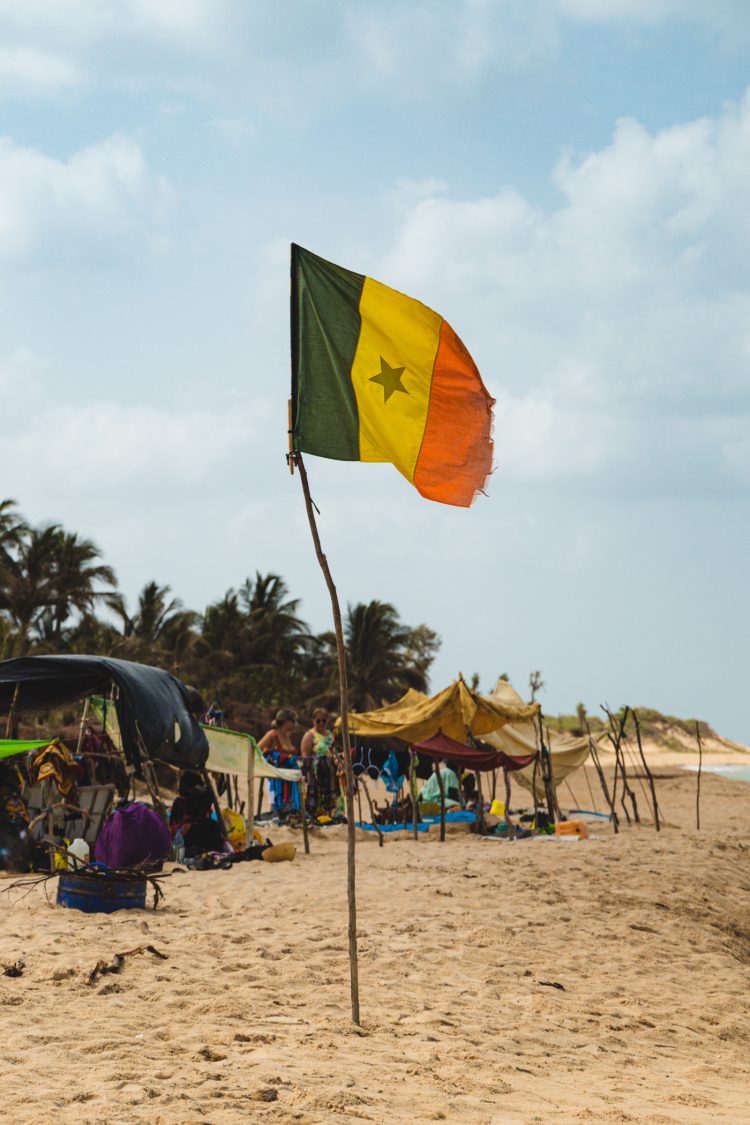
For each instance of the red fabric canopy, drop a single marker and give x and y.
(440, 746)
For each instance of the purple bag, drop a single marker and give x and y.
(133, 834)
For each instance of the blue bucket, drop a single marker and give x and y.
(99, 895)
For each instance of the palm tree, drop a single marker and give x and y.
(12, 529)
(384, 656)
(28, 587)
(160, 630)
(274, 633)
(75, 575)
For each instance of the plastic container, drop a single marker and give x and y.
(178, 844)
(497, 808)
(96, 894)
(79, 853)
(572, 828)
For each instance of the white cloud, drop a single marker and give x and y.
(27, 71)
(300, 56)
(715, 12)
(609, 326)
(91, 207)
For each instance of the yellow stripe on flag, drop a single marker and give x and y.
(397, 332)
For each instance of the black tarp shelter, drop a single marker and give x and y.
(152, 705)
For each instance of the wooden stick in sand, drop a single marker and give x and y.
(250, 820)
(413, 787)
(602, 780)
(296, 459)
(649, 775)
(9, 723)
(616, 736)
(303, 806)
(508, 821)
(372, 810)
(700, 767)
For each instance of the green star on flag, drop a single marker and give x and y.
(389, 379)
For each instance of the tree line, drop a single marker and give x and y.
(57, 595)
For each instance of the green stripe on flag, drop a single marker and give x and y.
(325, 333)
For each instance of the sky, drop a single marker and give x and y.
(567, 182)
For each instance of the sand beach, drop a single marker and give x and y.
(601, 981)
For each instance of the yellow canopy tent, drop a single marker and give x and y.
(457, 711)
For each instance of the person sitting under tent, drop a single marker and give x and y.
(178, 815)
(430, 792)
(200, 831)
(15, 846)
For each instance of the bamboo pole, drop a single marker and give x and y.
(441, 786)
(700, 768)
(344, 705)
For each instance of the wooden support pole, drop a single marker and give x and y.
(9, 723)
(344, 706)
(372, 810)
(84, 716)
(602, 780)
(441, 787)
(480, 804)
(615, 736)
(649, 775)
(508, 821)
(209, 783)
(303, 806)
(250, 818)
(413, 788)
(700, 768)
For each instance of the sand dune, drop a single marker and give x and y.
(461, 947)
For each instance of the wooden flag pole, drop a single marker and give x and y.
(344, 704)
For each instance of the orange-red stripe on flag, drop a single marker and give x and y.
(455, 458)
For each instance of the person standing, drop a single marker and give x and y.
(315, 747)
(278, 748)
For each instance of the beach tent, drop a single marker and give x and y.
(567, 753)
(237, 754)
(457, 711)
(469, 758)
(153, 710)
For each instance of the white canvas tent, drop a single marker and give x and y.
(567, 753)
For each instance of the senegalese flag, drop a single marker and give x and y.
(377, 376)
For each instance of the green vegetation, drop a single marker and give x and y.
(250, 647)
(655, 727)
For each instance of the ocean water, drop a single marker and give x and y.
(736, 773)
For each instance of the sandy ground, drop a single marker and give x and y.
(461, 947)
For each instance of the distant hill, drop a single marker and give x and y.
(658, 731)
